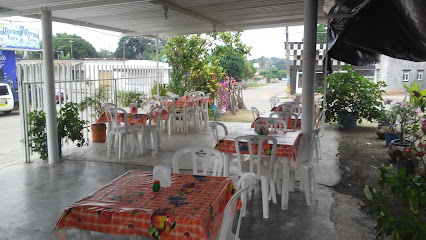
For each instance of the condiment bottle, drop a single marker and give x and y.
(156, 186)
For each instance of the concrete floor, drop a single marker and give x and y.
(34, 195)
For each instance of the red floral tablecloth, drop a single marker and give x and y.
(290, 123)
(141, 116)
(185, 102)
(191, 208)
(287, 144)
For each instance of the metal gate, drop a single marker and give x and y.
(74, 82)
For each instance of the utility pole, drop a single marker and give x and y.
(287, 61)
(71, 41)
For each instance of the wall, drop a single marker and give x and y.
(391, 71)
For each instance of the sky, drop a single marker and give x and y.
(264, 42)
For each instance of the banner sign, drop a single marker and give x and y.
(19, 37)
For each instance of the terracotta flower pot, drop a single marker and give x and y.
(99, 133)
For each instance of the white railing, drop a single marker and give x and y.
(74, 82)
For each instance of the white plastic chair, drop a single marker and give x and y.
(255, 113)
(194, 112)
(153, 129)
(214, 128)
(204, 110)
(242, 187)
(150, 104)
(244, 143)
(305, 163)
(286, 116)
(122, 131)
(110, 105)
(273, 101)
(200, 155)
(172, 112)
(290, 107)
(271, 124)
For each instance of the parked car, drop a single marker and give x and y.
(7, 102)
(242, 83)
(61, 96)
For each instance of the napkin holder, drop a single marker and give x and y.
(262, 131)
(163, 174)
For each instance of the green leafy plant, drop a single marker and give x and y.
(350, 94)
(399, 206)
(69, 125)
(163, 89)
(95, 101)
(417, 95)
(127, 97)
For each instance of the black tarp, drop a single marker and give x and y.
(396, 28)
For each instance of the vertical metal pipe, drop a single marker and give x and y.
(309, 57)
(49, 84)
(157, 72)
(325, 58)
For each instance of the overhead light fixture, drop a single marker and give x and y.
(165, 11)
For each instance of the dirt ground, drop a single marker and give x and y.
(361, 153)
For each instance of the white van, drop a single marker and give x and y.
(6, 98)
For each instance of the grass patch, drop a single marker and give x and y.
(256, 84)
(241, 116)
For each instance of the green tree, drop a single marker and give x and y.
(80, 47)
(135, 47)
(321, 33)
(103, 53)
(234, 65)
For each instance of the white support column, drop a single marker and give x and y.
(49, 88)
(309, 56)
(158, 71)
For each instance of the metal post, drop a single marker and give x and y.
(325, 63)
(309, 57)
(158, 79)
(49, 87)
(287, 61)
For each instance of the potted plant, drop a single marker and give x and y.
(385, 121)
(353, 97)
(69, 125)
(406, 119)
(95, 102)
(127, 97)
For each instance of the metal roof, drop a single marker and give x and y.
(147, 17)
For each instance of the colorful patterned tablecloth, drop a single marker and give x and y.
(290, 123)
(185, 102)
(141, 116)
(287, 144)
(191, 208)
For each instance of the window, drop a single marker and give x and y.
(419, 75)
(406, 76)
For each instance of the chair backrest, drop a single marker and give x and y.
(214, 128)
(155, 113)
(172, 98)
(205, 102)
(228, 216)
(200, 155)
(318, 119)
(258, 146)
(273, 101)
(271, 124)
(195, 103)
(150, 104)
(286, 116)
(255, 113)
(112, 115)
(290, 107)
(306, 147)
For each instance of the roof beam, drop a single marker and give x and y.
(83, 24)
(187, 13)
(10, 12)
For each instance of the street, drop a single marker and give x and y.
(11, 149)
(258, 97)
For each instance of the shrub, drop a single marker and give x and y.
(349, 93)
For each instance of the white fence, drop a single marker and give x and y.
(75, 82)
